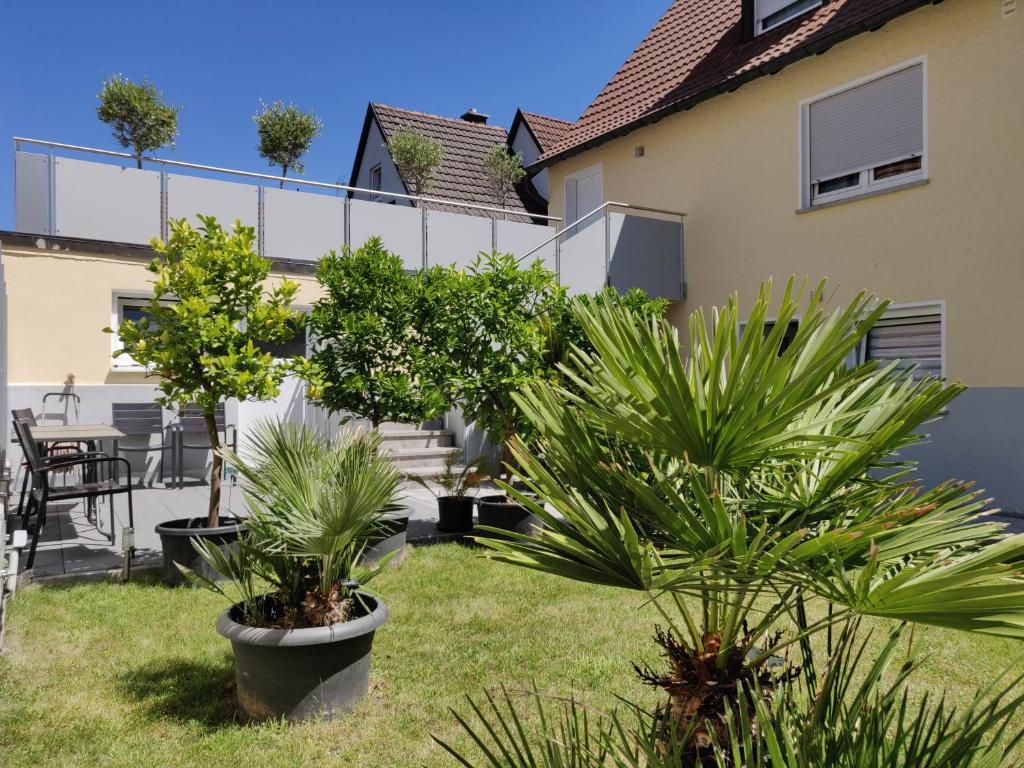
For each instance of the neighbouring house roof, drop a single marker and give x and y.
(461, 175)
(698, 50)
(546, 131)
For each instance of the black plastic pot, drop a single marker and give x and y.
(390, 539)
(497, 512)
(455, 513)
(176, 538)
(302, 674)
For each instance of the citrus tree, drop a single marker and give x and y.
(208, 312)
(372, 327)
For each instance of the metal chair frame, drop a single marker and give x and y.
(95, 486)
(145, 420)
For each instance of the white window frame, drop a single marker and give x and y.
(759, 16)
(909, 310)
(377, 170)
(866, 185)
(118, 300)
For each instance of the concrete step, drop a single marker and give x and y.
(397, 426)
(420, 457)
(417, 438)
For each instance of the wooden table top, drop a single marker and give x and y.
(70, 432)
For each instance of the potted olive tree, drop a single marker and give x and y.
(454, 504)
(208, 311)
(300, 622)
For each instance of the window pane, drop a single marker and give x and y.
(788, 12)
(787, 337)
(838, 183)
(134, 312)
(897, 169)
(294, 347)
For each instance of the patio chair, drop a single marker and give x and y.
(67, 414)
(192, 434)
(97, 484)
(144, 420)
(53, 453)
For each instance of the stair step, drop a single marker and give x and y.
(420, 457)
(417, 438)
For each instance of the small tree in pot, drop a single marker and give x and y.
(142, 121)
(208, 311)
(300, 625)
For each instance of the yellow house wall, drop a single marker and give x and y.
(732, 164)
(60, 301)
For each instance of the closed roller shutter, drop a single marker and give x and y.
(879, 122)
(913, 340)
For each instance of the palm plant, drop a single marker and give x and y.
(857, 714)
(313, 505)
(735, 481)
(455, 477)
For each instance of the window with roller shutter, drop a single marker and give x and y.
(867, 137)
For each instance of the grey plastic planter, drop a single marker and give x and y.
(497, 512)
(391, 539)
(176, 538)
(301, 674)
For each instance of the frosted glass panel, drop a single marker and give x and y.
(106, 202)
(398, 225)
(302, 226)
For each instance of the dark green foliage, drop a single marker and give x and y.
(286, 134)
(373, 327)
(141, 119)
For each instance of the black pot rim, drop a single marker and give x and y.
(185, 527)
(457, 498)
(334, 633)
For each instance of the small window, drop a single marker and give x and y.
(375, 179)
(911, 336)
(865, 138)
(787, 337)
(295, 346)
(769, 14)
(134, 308)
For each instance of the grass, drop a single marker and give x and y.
(109, 675)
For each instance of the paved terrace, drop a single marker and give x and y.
(71, 545)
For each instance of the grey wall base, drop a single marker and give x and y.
(981, 438)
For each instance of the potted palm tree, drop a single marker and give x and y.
(454, 504)
(301, 624)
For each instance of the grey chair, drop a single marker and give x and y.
(191, 434)
(68, 414)
(99, 481)
(144, 420)
(53, 453)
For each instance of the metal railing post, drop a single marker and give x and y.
(51, 193)
(261, 210)
(558, 259)
(494, 234)
(347, 224)
(607, 246)
(164, 206)
(423, 217)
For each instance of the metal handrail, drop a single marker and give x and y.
(19, 140)
(601, 207)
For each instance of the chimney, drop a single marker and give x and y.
(472, 116)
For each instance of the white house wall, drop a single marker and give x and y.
(376, 152)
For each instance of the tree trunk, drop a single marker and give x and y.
(213, 518)
(284, 172)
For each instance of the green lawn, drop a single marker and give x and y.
(108, 675)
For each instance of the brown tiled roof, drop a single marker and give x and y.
(696, 51)
(548, 131)
(461, 175)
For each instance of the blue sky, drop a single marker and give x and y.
(217, 60)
